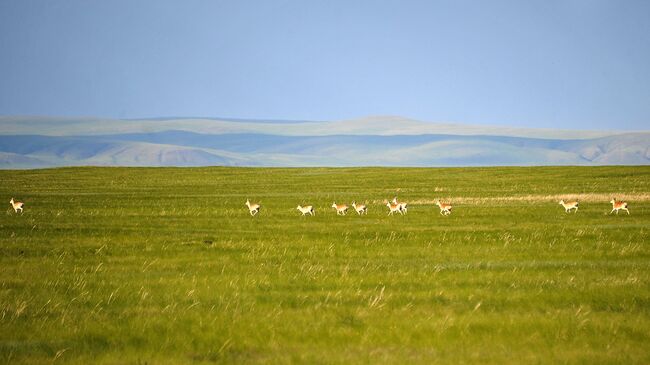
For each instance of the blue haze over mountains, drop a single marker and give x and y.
(37, 142)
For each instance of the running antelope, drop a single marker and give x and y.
(341, 209)
(445, 209)
(618, 205)
(253, 209)
(569, 205)
(306, 210)
(361, 208)
(392, 208)
(16, 205)
(403, 207)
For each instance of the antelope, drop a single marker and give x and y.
(403, 207)
(569, 205)
(618, 205)
(445, 209)
(341, 209)
(306, 210)
(16, 205)
(253, 209)
(392, 208)
(361, 208)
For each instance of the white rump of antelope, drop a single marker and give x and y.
(341, 209)
(253, 209)
(306, 210)
(569, 205)
(360, 209)
(403, 207)
(618, 205)
(16, 205)
(445, 209)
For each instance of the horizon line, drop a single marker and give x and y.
(300, 121)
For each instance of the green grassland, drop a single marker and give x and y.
(166, 266)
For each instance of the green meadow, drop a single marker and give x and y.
(166, 266)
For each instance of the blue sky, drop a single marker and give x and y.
(554, 64)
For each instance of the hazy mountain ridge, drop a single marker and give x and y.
(51, 143)
(374, 125)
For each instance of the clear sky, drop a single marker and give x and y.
(556, 64)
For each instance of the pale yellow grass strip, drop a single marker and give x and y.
(590, 197)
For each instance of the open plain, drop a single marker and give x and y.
(166, 266)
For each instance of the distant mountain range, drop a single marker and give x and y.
(36, 142)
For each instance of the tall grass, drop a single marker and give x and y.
(166, 266)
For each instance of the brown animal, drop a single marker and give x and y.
(16, 205)
(618, 205)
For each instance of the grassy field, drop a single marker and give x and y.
(166, 266)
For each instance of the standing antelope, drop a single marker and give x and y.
(403, 207)
(341, 209)
(16, 205)
(569, 205)
(445, 209)
(392, 208)
(361, 208)
(253, 209)
(306, 210)
(618, 205)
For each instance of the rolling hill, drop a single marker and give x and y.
(35, 142)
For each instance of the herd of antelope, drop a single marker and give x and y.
(393, 207)
(402, 207)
